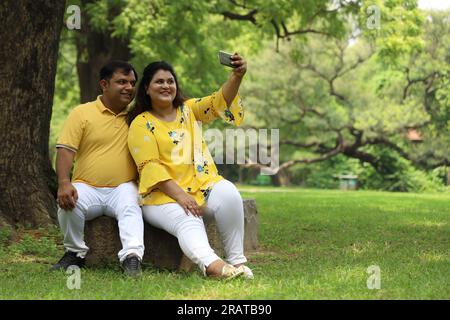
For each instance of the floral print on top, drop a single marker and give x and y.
(176, 150)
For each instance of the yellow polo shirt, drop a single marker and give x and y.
(99, 138)
(176, 150)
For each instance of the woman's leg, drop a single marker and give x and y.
(189, 230)
(225, 205)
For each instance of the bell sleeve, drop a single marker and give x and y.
(144, 150)
(214, 106)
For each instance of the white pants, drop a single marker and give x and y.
(225, 206)
(120, 203)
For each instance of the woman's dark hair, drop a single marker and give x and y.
(143, 101)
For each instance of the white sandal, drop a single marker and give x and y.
(230, 272)
(247, 272)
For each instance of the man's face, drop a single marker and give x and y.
(121, 88)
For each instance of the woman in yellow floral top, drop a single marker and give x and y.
(178, 180)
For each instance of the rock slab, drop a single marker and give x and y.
(161, 248)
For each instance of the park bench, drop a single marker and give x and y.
(161, 248)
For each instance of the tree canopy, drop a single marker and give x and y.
(338, 78)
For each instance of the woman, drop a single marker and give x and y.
(179, 182)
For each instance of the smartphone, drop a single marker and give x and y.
(225, 59)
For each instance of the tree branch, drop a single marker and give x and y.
(411, 82)
(389, 144)
(250, 16)
(299, 144)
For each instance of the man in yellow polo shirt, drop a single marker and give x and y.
(103, 180)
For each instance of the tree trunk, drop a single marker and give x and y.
(448, 176)
(94, 50)
(281, 178)
(29, 33)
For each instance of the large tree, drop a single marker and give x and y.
(29, 33)
(189, 33)
(427, 78)
(96, 44)
(353, 97)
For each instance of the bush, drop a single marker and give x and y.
(5, 236)
(321, 175)
(40, 242)
(42, 246)
(261, 181)
(399, 175)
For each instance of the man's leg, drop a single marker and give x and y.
(124, 205)
(88, 207)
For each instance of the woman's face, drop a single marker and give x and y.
(162, 89)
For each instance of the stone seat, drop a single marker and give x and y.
(161, 248)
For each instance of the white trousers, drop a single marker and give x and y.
(225, 205)
(120, 203)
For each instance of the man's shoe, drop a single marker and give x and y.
(132, 266)
(69, 259)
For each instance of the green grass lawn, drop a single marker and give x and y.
(314, 244)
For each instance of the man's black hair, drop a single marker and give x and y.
(108, 69)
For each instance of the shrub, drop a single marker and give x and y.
(321, 175)
(398, 175)
(41, 242)
(5, 236)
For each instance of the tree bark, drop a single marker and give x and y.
(94, 50)
(448, 176)
(29, 33)
(281, 179)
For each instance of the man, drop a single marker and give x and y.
(103, 180)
